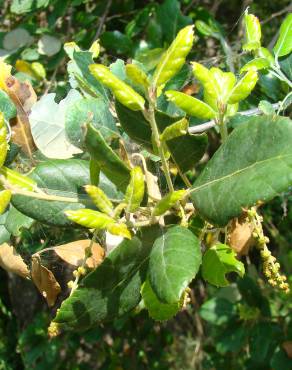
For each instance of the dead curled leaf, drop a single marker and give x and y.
(74, 253)
(11, 261)
(24, 97)
(45, 281)
(240, 235)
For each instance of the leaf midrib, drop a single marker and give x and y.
(233, 174)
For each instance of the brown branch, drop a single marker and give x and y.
(103, 19)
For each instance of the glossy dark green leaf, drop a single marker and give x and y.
(109, 162)
(232, 339)
(263, 339)
(139, 130)
(64, 178)
(59, 177)
(280, 360)
(157, 310)
(218, 261)
(253, 164)
(89, 110)
(117, 41)
(110, 291)
(286, 65)
(15, 221)
(171, 19)
(218, 311)
(174, 262)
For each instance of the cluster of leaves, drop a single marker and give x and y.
(89, 163)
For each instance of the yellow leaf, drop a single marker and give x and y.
(11, 261)
(5, 72)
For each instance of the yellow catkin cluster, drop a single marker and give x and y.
(271, 267)
(53, 330)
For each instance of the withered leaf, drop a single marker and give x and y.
(45, 281)
(24, 97)
(152, 185)
(74, 253)
(11, 261)
(240, 235)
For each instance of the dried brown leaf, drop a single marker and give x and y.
(11, 261)
(96, 257)
(24, 97)
(240, 235)
(74, 253)
(45, 281)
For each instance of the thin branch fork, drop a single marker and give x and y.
(207, 125)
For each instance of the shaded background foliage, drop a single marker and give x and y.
(243, 326)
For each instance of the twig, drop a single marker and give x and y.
(102, 19)
(207, 125)
(189, 7)
(287, 9)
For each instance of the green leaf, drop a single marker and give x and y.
(168, 201)
(137, 75)
(47, 122)
(280, 360)
(139, 130)
(4, 233)
(219, 260)
(157, 310)
(266, 107)
(59, 177)
(176, 129)
(174, 58)
(192, 106)
(253, 32)
(284, 43)
(217, 84)
(110, 291)
(243, 87)
(218, 311)
(205, 29)
(80, 75)
(263, 338)
(135, 190)
(15, 221)
(25, 6)
(286, 65)
(117, 41)
(124, 93)
(174, 262)
(231, 340)
(255, 65)
(49, 45)
(171, 19)
(63, 178)
(85, 110)
(16, 39)
(253, 164)
(6, 106)
(109, 162)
